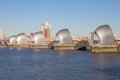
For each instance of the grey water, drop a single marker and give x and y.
(27, 64)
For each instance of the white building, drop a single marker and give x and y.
(46, 29)
(38, 38)
(22, 39)
(2, 34)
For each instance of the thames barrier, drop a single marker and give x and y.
(63, 41)
(102, 40)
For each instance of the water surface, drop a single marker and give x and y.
(30, 64)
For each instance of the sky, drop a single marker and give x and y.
(80, 16)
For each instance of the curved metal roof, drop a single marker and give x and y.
(22, 38)
(20, 34)
(105, 35)
(63, 36)
(12, 39)
(12, 36)
(38, 38)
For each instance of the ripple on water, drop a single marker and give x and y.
(28, 64)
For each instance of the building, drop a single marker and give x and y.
(2, 34)
(22, 39)
(63, 40)
(64, 37)
(46, 29)
(12, 39)
(38, 38)
(103, 35)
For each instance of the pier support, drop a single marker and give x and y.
(64, 47)
(104, 48)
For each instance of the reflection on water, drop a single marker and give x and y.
(107, 60)
(29, 64)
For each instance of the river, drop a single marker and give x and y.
(27, 64)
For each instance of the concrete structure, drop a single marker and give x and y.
(103, 36)
(64, 37)
(12, 39)
(46, 29)
(105, 49)
(38, 38)
(35, 41)
(103, 40)
(39, 41)
(22, 39)
(64, 40)
(18, 41)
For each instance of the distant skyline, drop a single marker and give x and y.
(80, 16)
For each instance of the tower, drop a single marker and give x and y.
(46, 29)
(2, 36)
